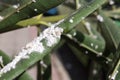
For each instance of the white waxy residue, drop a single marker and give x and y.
(16, 6)
(33, 0)
(96, 46)
(87, 24)
(78, 5)
(94, 71)
(69, 35)
(1, 18)
(43, 64)
(91, 44)
(35, 9)
(83, 18)
(71, 20)
(100, 18)
(111, 2)
(99, 54)
(74, 34)
(49, 35)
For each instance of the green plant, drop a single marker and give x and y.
(98, 42)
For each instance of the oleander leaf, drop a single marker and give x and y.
(110, 32)
(12, 15)
(88, 46)
(6, 60)
(66, 25)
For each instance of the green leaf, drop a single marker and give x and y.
(40, 20)
(26, 10)
(110, 32)
(23, 65)
(117, 22)
(80, 14)
(81, 57)
(66, 25)
(115, 71)
(6, 60)
(47, 74)
(88, 46)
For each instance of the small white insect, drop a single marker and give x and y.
(87, 24)
(100, 18)
(33, 0)
(99, 54)
(69, 35)
(96, 46)
(16, 6)
(92, 44)
(35, 9)
(94, 71)
(83, 18)
(1, 18)
(111, 2)
(71, 20)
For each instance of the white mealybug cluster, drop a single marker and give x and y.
(49, 35)
(100, 18)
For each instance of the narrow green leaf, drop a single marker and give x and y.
(117, 22)
(26, 10)
(81, 57)
(80, 14)
(110, 32)
(23, 65)
(39, 20)
(66, 25)
(115, 67)
(88, 46)
(6, 60)
(47, 74)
